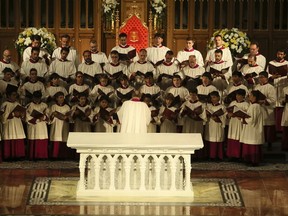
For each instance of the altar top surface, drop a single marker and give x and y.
(149, 141)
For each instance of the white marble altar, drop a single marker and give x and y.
(137, 165)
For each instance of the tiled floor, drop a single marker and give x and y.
(263, 192)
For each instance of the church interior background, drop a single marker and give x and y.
(263, 20)
(263, 190)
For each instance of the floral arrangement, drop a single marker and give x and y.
(109, 6)
(237, 41)
(48, 40)
(157, 6)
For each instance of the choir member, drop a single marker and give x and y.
(36, 42)
(157, 52)
(103, 116)
(6, 62)
(226, 55)
(37, 132)
(180, 93)
(168, 115)
(54, 87)
(220, 70)
(115, 68)
(72, 56)
(36, 62)
(193, 113)
(284, 120)
(166, 70)
(206, 88)
(214, 128)
(31, 86)
(82, 114)
(64, 67)
(183, 55)
(124, 91)
(278, 70)
(251, 71)
(13, 135)
(152, 127)
(150, 87)
(127, 53)
(90, 69)
(96, 55)
(192, 72)
(236, 112)
(138, 69)
(103, 89)
(134, 115)
(254, 50)
(267, 101)
(77, 88)
(7, 81)
(252, 135)
(237, 83)
(60, 114)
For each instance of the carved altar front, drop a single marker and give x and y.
(135, 165)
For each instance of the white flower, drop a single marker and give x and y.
(48, 40)
(158, 6)
(109, 5)
(27, 41)
(237, 41)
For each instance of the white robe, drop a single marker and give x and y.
(167, 69)
(218, 82)
(59, 129)
(64, 69)
(31, 88)
(103, 126)
(143, 67)
(98, 57)
(12, 128)
(12, 65)
(193, 72)
(280, 82)
(226, 56)
(181, 91)
(40, 66)
(156, 54)
(90, 69)
(235, 124)
(284, 120)
(73, 55)
(183, 55)
(27, 53)
(214, 131)
(260, 60)
(167, 126)
(134, 117)
(268, 110)
(39, 129)
(152, 127)
(79, 124)
(191, 125)
(206, 90)
(123, 50)
(253, 132)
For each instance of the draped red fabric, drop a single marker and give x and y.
(137, 32)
